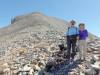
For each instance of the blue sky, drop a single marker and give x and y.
(86, 11)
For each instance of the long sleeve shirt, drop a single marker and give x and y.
(83, 34)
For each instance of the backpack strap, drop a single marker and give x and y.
(68, 30)
(76, 30)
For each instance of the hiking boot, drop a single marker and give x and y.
(73, 55)
(82, 60)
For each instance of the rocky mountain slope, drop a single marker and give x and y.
(36, 21)
(30, 40)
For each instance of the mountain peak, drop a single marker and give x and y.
(34, 20)
(20, 17)
(38, 13)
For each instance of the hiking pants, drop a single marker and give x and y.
(71, 44)
(82, 47)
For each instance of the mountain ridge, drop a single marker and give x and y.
(30, 20)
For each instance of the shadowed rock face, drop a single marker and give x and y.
(31, 39)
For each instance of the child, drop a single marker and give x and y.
(83, 34)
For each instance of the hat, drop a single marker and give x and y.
(81, 24)
(72, 21)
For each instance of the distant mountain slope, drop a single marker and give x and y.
(36, 22)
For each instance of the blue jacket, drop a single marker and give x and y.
(72, 31)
